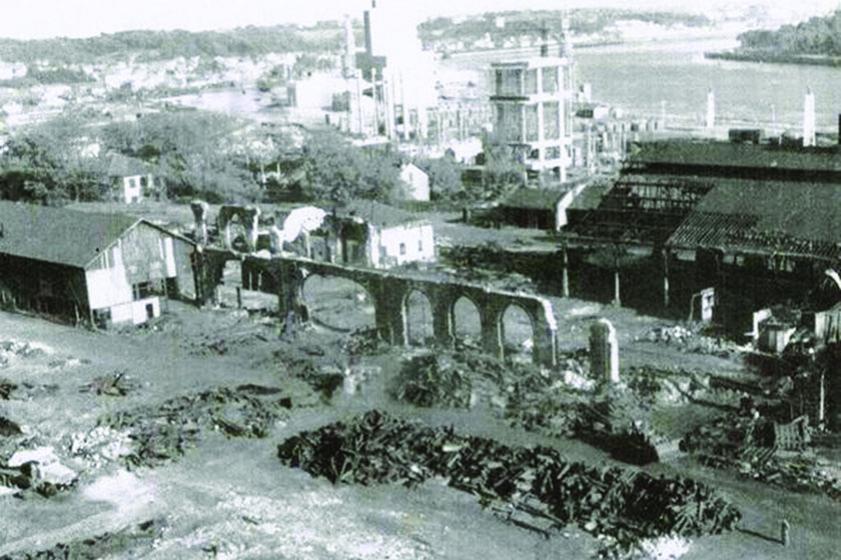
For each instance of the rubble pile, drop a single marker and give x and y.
(364, 342)
(37, 470)
(100, 546)
(747, 445)
(624, 505)
(10, 349)
(116, 384)
(99, 446)
(690, 340)
(431, 380)
(324, 380)
(164, 432)
(25, 391)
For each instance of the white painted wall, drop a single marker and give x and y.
(109, 286)
(135, 311)
(419, 241)
(416, 181)
(132, 191)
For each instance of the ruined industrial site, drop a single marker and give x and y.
(363, 280)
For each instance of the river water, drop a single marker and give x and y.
(641, 78)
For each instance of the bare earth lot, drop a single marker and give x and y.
(232, 498)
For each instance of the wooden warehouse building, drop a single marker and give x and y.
(93, 268)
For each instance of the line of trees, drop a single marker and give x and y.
(164, 45)
(816, 36)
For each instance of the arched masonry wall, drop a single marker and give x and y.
(389, 293)
(249, 217)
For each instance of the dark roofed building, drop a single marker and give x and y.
(764, 217)
(90, 267)
(736, 160)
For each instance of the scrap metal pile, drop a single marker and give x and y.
(532, 398)
(748, 445)
(164, 432)
(623, 505)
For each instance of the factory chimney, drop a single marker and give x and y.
(809, 119)
(349, 58)
(710, 120)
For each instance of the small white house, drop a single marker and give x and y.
(386, 236)
(416, 181)
(133, 179)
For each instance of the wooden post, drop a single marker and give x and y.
(784, 532)
(665, 279)
(565, 273)
(617, 300)
(239, 297)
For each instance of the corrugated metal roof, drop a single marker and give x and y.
(58, 235)
(783, 217)
(729, 154)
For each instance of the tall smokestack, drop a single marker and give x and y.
(710, 120)
(809, 119)
(349, 58)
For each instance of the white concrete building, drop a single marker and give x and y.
(416, 182)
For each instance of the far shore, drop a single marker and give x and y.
(775, 57)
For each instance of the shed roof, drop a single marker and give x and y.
(58, 235)
(533, 199)
(766, 216)
(377, 213)
(730, 154)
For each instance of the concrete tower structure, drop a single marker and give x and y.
(809, 119)
(710, 119)
(531, 106)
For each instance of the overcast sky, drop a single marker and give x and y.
(79, 18)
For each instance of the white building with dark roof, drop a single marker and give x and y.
(92, 268)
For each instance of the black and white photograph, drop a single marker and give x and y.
(437, 280)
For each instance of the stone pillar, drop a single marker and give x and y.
(442, 321)
(491, 322)
(251, 221)
(604, 352)
(200, 210)
(545, 349)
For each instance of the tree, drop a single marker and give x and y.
(444, 177)
(503, 171)
(340, 171)
(46, 163)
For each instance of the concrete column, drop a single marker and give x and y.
(604, 352)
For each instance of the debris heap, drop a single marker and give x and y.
(751, 447)
(431, 380)
(624, 505)
(100, 546)
(164, 432)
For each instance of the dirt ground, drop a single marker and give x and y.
(231, 497)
